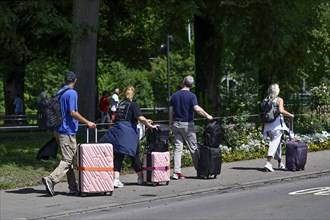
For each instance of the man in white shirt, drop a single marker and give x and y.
(114, 103)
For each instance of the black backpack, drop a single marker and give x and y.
(268, 112)
(49, 113)
(212, 134)
(157, 139)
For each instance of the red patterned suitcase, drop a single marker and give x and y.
(95, 167)
(156, 168)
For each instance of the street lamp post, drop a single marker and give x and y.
(167, 47)
(169, 38)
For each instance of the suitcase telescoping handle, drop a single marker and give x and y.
(87, 135)
(290, 129)
(291, 124)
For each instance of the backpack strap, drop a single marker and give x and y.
(61, 93)
(278, 112)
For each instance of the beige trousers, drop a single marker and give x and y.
(68, 146)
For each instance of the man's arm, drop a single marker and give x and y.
(81, 119)
(201, 112)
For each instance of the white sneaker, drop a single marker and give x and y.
(281, 166)
(118, 184)
(140, 180)
(177, 176)
(269, 167)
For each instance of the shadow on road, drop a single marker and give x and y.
(249, 168)
(26, 191)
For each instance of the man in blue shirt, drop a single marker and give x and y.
(65, 135)
(182, 106)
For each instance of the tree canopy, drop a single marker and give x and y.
(257, 41)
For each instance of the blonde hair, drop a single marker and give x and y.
(129, 92)
(273, 90)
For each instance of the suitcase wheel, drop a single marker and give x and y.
(215, 176)
(167, 182)
(108, 193)
(203, 177)
(83, 194)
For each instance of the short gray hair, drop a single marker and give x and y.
(273, 90)
(188, 81)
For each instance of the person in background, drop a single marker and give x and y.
(65, 136)
(274, 130)
(104, 107)
(124, 135)
(182, 106)
(114, 104)
(18, 103)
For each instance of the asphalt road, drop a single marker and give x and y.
(271, 201)
(227, 196)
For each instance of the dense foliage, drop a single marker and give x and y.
(254, 41)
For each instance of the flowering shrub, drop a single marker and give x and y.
(320, 101)
(244, 141)
(253, 148)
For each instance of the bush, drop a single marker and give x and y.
(320, 101)
(241, 95)
(310, 124)
(116, 75)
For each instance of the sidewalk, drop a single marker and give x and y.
(33, 203)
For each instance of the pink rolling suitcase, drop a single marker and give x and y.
(156, 167)
(95, 167)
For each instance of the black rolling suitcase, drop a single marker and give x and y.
(210, 157)
(212, 134)
(209, 163)
(157, 139)
(296, 153)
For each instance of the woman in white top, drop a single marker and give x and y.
(275, 130)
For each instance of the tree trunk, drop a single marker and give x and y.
(83, 54)
(208, 56)
(13, 85)
(265, 79)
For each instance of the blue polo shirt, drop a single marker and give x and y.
(183, 102)
(69, 102)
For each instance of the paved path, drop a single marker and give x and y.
(33, 203)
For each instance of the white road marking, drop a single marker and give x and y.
(318, 191)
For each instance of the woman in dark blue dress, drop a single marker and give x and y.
(124, 137)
